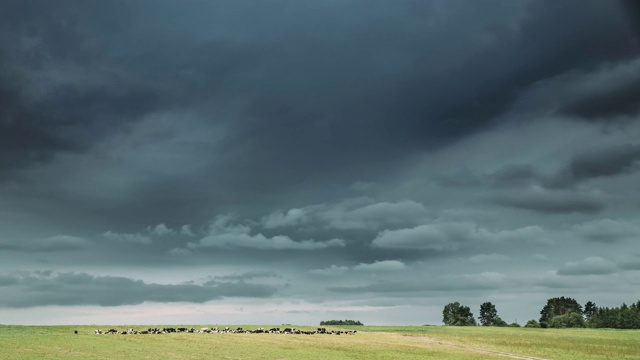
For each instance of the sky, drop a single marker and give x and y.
(272, 162)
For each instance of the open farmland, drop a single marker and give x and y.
(370, 342)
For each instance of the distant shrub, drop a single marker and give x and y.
(570, 320)
(499, 322)
(532, 324)
(341, 322)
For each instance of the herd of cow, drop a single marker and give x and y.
(225, 330)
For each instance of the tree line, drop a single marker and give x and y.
(558, 312)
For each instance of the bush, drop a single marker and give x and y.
(499, 322)
(570, 320)
(341, 322)
(532, 324)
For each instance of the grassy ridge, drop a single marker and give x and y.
(371, 342)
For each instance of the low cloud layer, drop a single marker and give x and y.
(223, 233)
(43, 288)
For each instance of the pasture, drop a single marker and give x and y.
(370, 342)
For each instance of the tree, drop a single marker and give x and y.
(590, 309)
(558, 306)
(623, 317)
(488, 314)
(455, 314)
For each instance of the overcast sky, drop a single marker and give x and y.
(274, 162)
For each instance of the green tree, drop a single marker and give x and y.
(558, 306)
(590, 309)
(488, 314)
(455, 314)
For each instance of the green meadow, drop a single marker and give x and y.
(371, 342)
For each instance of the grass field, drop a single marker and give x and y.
(371, 342)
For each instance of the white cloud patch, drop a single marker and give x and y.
(385, 265)
(488, 258)
(186, 230)
(224, 234)
(527, 234)
(439, 236)
(454, 235)
(279, 219)
(351, 214)
(160, 230)
(594, 265)
(377, 266)
(333, 270)
(372, 216)
(127, 237)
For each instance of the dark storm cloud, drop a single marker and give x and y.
(51, 244)
(594, 265)
(247, 276)
(631, 262)
(616, 160)
(515, 175)
(624, 100)
(40, 288)
(552, 202)
(303, 93)
(58, 91)
(607, 231)
(413, 108)
(591, 164)
(471, 282)
(259, 124)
